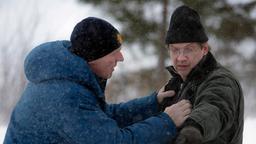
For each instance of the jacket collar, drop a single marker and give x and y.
(198, 73)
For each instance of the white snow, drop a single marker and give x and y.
(2, 133)
(249, 131)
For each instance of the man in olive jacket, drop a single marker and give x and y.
(216, 95)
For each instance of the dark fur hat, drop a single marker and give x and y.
(185, 26)
(93, 38)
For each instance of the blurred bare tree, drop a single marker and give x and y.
(145, 23)
(14, 44)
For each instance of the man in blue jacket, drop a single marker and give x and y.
(63, 101)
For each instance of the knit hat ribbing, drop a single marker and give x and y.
(93, 38)
(185, 26)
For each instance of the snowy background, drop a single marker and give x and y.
(55, 21)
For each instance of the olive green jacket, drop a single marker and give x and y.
(217, 99)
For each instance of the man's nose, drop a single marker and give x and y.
(120, 56)
(181, 56)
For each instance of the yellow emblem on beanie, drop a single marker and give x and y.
(119, 38)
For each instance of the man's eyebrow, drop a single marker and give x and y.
(190, 44)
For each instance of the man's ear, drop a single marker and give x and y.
(205, 48)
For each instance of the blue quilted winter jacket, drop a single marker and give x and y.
(64, 103)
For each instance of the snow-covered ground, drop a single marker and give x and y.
(249, 131)
(249, 134)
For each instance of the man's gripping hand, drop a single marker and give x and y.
(189, 135)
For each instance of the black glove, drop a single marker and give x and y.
(189, 135)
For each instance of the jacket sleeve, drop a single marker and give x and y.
(216, 105)
(134, 110)
(89, 124)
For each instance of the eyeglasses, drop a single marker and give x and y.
(187, 51)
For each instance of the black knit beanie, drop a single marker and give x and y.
(93, 38)
(185, 26)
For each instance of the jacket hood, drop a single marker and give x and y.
(53, 61)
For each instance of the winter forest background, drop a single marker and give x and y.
(230, 24)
